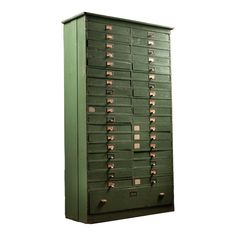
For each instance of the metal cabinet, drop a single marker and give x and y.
(118, 118)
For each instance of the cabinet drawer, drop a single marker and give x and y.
(150, 35)
(151, 85)
(96, 53)
(158, 120)
(109, 63)
(157, 155)
(96, 165)
(146, 102)
(151, 60)
(159, 126)
(149, 136)
(108, 83)
(100, 175)
(145, 77)
(150, 52)
(105, 110)
(91, 72)
(112, 46)
(156, 94)
(108, 28)
(109, 119)
(148, 111)
(150, 43)
(146, 171)
(110, 156)
(114, 146)
(155, 163)
(109, 37)
(152, 145)
(138, 66)
(123, 199)
(106, 137)
(123, 92)
(111, 128)
(96, 100)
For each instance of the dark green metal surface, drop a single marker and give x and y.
(118, 119)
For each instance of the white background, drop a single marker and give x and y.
(31, 119)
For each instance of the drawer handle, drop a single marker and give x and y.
(151, 77)
(110, 119)
(110, 63)
(110, 138)
(153, 137)
(152, 128)
(110, 165)
(150, 59)
(108, 27)
(110, 147)
(153, 172)
(110, 100)
(152, 70)
(153, 182)
(152, 154)
(109, 45)
(151, 52)
(110, 110)
(152, 102)
(109, 36)
(152, 145)
(150, 43)
(150, 34)
(153, 164)
(152, 93)
(109, 73)
(152, 111)
(109, 54)
(152, 119)
(109, 82)
(110, 156)
(111, 184)
(103, 201)
(110, 128)
(162, 194)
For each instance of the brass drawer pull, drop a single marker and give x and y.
(153, 164)
(110, 100)
(108, 27)
(152, 128)
(150, 43)
(109, 45)
(109, 36)
(151, 52)
(109, 54)
(103, 201)
(152, 154)
(110, 63)
(150, 59)
(110, 147)
(110, 165)
(152, 102)
(152, 70)
(110, 110)
(109, 82)
(150, 34)
(152, 111)
(153, 137)
(111, 184)
(151, 77)
(109, 73)
(162, 194)
(111, 156)
(152, 93)
(152, 119)
(153, 172)
(110, 128)
(110, 138)
(152, 145)
(153, 182)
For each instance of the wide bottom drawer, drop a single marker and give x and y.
(124, 199)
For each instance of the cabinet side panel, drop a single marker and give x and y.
(70, 100)
(82, 128)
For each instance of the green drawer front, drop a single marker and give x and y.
(158, 126)
(112, 46)
(140, 172)
(96, 53)
(155, 60)
(121, 155)
(150, 35)
(110, 37)
(156, 163)
(124, 92)
(114, 146)
(105, 137)
(146, 145)
(154, 43)
(109, 63)
(138, 66)
(148, 135)
(105, 110)
(96, 165)
(109, 119)
(96, 100)
(103, 175)
(123, 199)
(146, 111)
(102, 27)
(91, 72)
(145, 77)
(150, 52)
(104, 128)
(158, 120)
(151, 85)
(146, 102)
(105, 83)
(157, 94)
(158, 155)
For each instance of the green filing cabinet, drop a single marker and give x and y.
(118, 118)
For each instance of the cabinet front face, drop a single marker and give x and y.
(129, 116)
